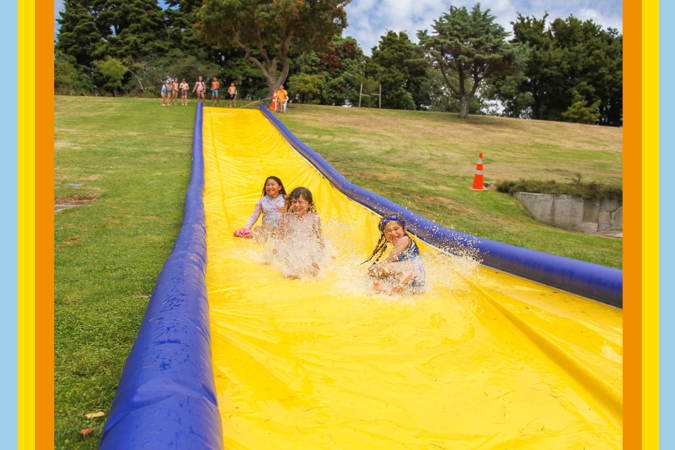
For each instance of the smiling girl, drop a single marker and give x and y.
(300, 248)
(403, 270)
(271, 206)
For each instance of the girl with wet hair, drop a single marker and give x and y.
(300, 247)
(271, 205)
(403, 270)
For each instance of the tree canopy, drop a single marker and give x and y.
(471, 45)
(269, 30)
(566, 57)
(564, 69)
(399, 66)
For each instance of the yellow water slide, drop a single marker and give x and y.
(481, 360)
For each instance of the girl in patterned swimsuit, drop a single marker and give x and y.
(271, 206)
(403, 270)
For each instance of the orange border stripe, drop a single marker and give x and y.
(44, 228)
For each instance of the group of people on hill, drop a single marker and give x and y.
(292, 227)
(171, 87)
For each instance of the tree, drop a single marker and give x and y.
(65, 74)
(131, 29)
(306, 86)
(438, 97)
(340, 64)
(113, 71)
(78, 34)
(399, 66)
(268, 30)
(567, 56)
(471, 45)
(580, 113)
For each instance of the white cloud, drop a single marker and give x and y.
(369, 19)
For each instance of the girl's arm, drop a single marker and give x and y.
(256, 213)
(399, 247)
(380, 268)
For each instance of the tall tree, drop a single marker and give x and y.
(399, 66)
(268, 30)
(78, 34)
(132, 29)
(471, 45)
(568, 56)
(339, 65)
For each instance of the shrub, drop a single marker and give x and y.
(576, 188)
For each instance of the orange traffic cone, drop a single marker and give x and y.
(478, 178)
(274, 101)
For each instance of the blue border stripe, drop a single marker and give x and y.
(9, 126)
(166, 396)
(590, 280)
(666, 218)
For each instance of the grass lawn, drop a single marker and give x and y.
(132, 159)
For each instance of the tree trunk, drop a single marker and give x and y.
(464, 105)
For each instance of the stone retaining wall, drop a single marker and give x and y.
(574, 213)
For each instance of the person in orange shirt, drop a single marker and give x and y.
(282, 98)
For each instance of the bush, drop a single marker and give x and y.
(576, 188)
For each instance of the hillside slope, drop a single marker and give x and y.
(426, 162)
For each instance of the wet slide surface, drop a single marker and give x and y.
(481, 360)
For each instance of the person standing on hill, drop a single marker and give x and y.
(282, 94)
(174, 87)
(184, 88)
(200, 87)
(215, 84)
(163, 91)
(232, 90)
(169, 92)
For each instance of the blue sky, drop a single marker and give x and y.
(370, 19)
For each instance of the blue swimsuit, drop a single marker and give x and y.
(412, 253)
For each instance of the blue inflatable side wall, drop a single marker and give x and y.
(166, 397)
(589, 280)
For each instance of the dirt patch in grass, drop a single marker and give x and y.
(77, 198)
(67, 242)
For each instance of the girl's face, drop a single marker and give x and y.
(272, 188)
(299, 206)
(393, 231)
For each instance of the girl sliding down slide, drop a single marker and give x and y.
(270, 205)
(403, 270)
(300, 247)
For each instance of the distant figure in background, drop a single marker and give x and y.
(232, 90)
(163, 93)
(200, 87)
(184, 88)
(169, 91)
(215, 85)
(275, 101)
(282, 99)
(174, 88)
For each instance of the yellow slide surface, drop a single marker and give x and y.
(481, 360)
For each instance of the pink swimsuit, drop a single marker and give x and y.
(270, 208)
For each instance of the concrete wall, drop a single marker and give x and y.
(573, 213)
